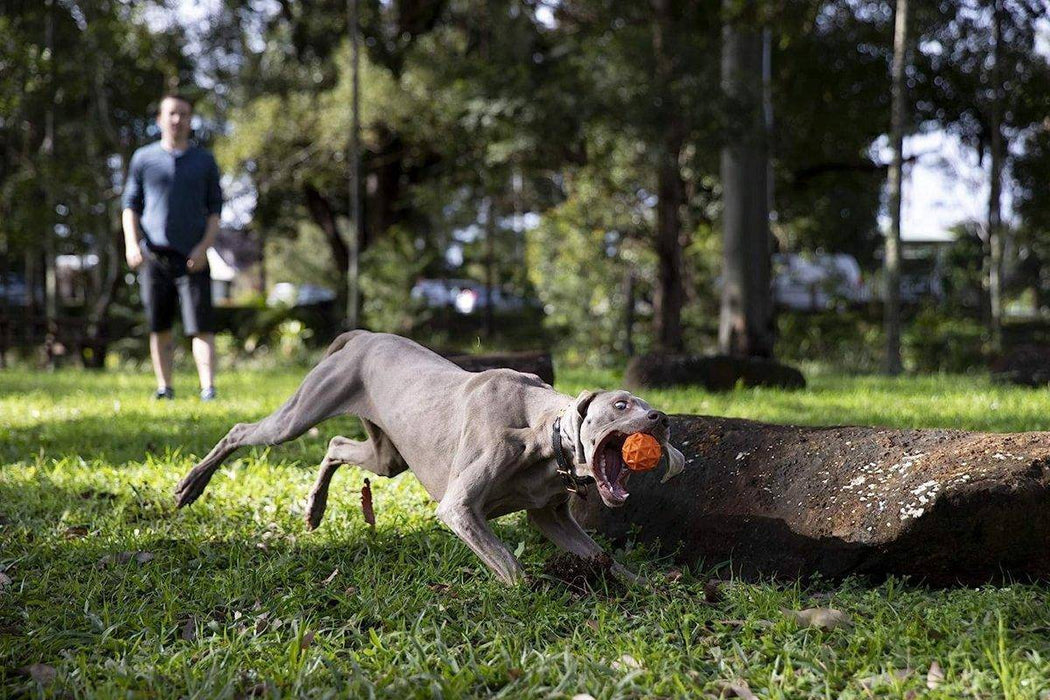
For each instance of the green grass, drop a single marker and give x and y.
(235, 596)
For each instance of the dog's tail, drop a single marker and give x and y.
(340, 342)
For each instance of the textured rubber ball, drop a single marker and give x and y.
(641, 452)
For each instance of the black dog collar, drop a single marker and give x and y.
(574, 483)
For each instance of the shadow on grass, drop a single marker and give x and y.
(132, 436)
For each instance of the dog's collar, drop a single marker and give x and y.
(574, 483)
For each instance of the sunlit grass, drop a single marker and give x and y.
(234, 596)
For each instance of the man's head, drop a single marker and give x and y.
(174, 116)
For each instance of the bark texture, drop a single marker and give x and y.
(746, 324)
(941, 506)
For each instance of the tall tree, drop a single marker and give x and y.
(67, 125)
(746, 323)
(891, 302)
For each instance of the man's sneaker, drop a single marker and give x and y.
(166, 393)
(208, 394)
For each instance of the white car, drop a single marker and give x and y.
(465, 296)
(818, 282)
(288, 294)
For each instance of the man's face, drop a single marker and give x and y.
(174, 119)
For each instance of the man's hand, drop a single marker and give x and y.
(198, 259)
(134, 256)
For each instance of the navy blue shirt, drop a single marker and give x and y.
(173, 195)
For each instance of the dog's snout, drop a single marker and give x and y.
(657, 416)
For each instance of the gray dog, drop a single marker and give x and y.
(483, 444)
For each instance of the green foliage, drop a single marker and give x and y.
(935, 343)
(852, 341)
(583, 249)
(389, 269)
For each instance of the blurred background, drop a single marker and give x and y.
(865, 184)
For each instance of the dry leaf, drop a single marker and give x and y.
(366, 504)
(307, 640)
(673, 576)
(821, 618)
(5, 580)
(712, 593)
(884, 678)
(582, 696)
(331, 577)
(935, 676)
(593, 624)
(514, 673)
(41, 673)
(75, 532)
(124, 558)
(626, 663)
(761, 624)
(738, 688)
(189, 630)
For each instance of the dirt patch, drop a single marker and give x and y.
(584, 576)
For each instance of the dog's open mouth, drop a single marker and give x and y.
(610, 472)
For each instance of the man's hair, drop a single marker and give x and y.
(174, 96)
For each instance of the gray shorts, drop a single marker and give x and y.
(165, 284)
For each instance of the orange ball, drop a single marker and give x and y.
(641, 452)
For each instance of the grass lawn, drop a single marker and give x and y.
(111, 592)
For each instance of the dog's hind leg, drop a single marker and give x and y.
(323, 394)
(376, 454)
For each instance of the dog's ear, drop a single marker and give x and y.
(675, 464)
(576, 418)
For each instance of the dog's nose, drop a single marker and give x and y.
(658, 416)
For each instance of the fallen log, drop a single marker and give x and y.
(538, 363)
(941, 506)
(713, 372)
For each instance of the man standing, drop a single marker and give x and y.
(172, 202)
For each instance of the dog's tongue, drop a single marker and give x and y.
(615, 473)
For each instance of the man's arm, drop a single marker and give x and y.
(132, 236)
(198, 259)
(134, 201)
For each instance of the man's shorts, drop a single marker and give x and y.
(165, 284)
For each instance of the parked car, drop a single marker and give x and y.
(14, 290)
(818, 282)
(465, 296)
(288, 294)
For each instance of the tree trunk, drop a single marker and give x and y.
(353, 273)
(50, 271)
(892, 310)
(321, 212)
(490, 266)
(746, 321)
(670, 191)
(995, 241)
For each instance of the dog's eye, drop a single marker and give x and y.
(620, 405)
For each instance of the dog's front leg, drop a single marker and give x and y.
(471, 527)
(557, 524)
